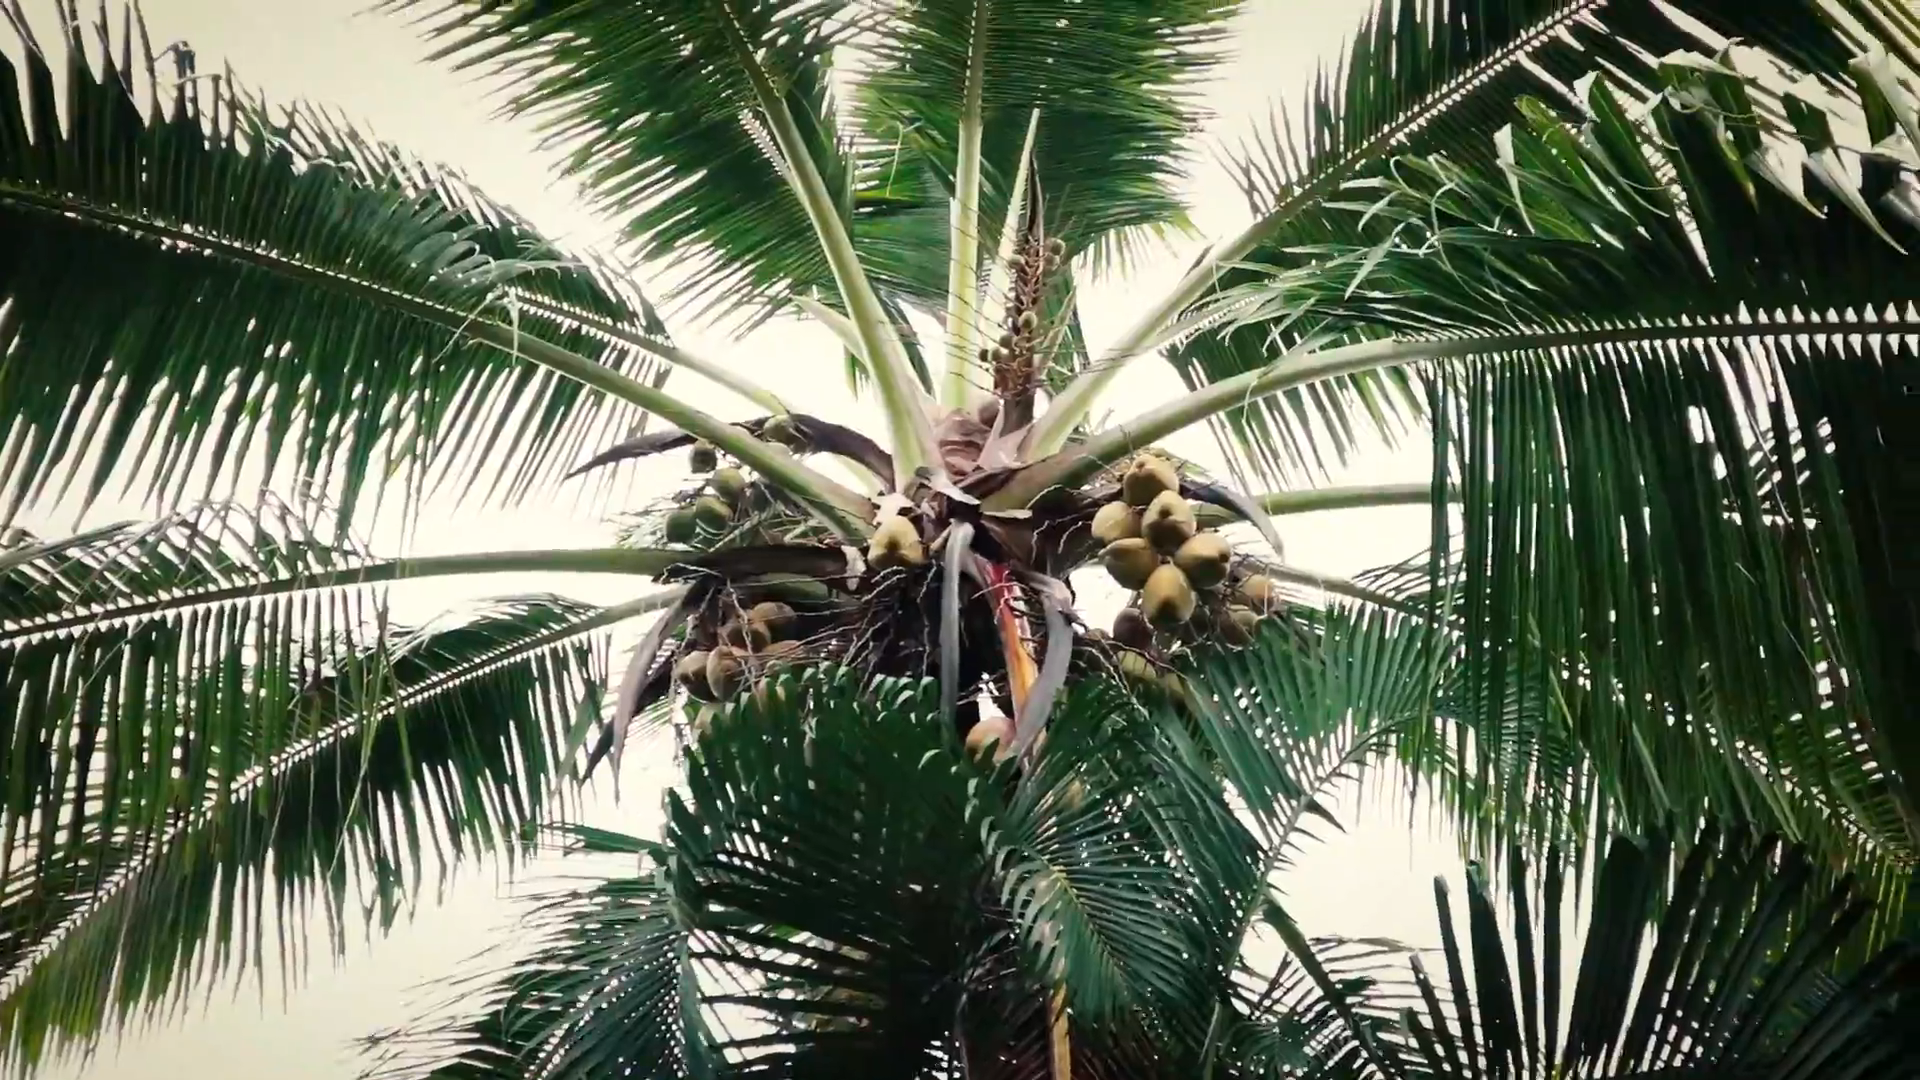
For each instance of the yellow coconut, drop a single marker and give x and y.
(1167, 522)
(780, 654)
(1261, 593)
(703, 457)
(995, 731)
(1148, 477)
(1167, 599)
(726, 672)
(1237, 626)
(1116, 521)
(690, 671)
(1130, 561)
(728, 483)
(896, 543)
(1204, 558)
(1073, 797)
(1130, 628)
(777, 617)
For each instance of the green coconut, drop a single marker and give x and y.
(1116, 521)
(1204, 558)
(1130, 561)
(1167, 522)
(702, 457)
(1167, 599)
(1147, 478)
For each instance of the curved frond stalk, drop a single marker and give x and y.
(216, 358)
(1320, 500)
(1422, 78)
(900, 394)
(963, 374)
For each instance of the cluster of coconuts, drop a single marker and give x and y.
(750, 647)
(1154, 547)
(711, 513)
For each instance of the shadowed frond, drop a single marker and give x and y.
(153, 334)
(184, 770)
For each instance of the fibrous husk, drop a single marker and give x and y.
(994, 731)
(1168, 522)
(1130, 562)
(1148, 477)
(746, 634)
(726, 672)
(1116, 521)
(712, 513)
(777, 617)
(728, 483)
(1167, 599)
(1204, 558)
(1130, 628)
(896, 543)
(682, 525)
(690, 671)
(702, 457)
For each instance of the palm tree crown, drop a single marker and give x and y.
(1636, 269)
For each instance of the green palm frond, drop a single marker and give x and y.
(1714, 963)
(155, 335)
(664, 128)
(1438, 77)
(182, 770)
(1116, 89)
(1682, 485)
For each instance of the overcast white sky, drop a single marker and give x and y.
(1371, 881)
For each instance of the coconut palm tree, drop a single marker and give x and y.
(1638, 270)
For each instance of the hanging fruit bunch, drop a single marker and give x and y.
(943, 587)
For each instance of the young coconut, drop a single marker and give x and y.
(1204, 558)
(1167, 599)
(682, 525)
(1116, 521)
(1147, 478)
(1237, 626)
(779, 654)
(726, 672)
(994, 731)
(1130, 628)
(896, 543)
(780, 429)
(1167, 522)
(703, 457)
(728, 483)
(777, 617)
(711, 513)
(690, 671)
(1130, 561)
(1259, 592)
(746, 634)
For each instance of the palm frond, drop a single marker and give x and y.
(664, 128)
(150, 333)
(188, 770)
(1440, 77)
(1709, 965)
(1116, 90)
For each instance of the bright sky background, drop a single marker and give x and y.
(1371, 881)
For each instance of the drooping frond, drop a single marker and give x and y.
(184, 773)
(1437, 77)
(152, 334)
